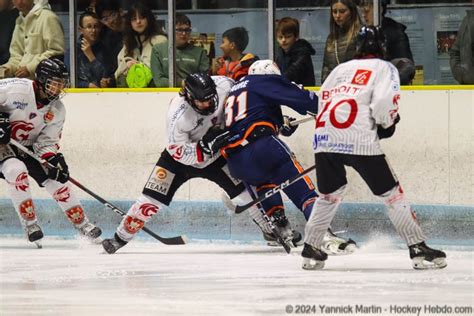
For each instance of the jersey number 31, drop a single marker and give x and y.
(235, 108)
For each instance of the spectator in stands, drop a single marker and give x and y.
(94, 69)
(189, 58)
(234, 63)
(462, 51)
(112, 17)
(8, 15)
(344, 25)
(398, 50)
(38, 35)
(294, 53)
(140, 35)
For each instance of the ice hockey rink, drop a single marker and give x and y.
(71, 276)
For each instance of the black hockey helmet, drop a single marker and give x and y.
(200, 87)
(52, 76)
(370, 41)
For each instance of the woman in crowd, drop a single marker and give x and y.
(141, 34)
(343, 27)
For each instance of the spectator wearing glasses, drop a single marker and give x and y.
(398, 50)
(94, 69)
(189, 58)
(140, 35)
(111, 16)
(8, 15)
(38, 35)
(344, 25)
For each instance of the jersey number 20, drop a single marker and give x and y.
(332, 114)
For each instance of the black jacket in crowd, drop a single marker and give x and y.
(296, 65)
(398, 49)
(7, 25)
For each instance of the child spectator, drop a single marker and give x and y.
(462, 51)
(398, 50)
(234, 63)
(294, 54)
(189, 58)
(38, 35)
(111, 15)
(344, 25)
(8, 15)
(140, 35)
(93, 68)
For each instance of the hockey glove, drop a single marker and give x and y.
(214, 139)
(60, 170)
(5, 128)
(286, 129)
(389, 131)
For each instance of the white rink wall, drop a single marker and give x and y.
(112, 140)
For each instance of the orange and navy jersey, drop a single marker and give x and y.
(258, 98)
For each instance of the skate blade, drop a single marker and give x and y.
(419, 263)
(38, 244)
(312, 264)
(332, 249)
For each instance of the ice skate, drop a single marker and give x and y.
(424, 257)
(290, 237)
(91, 231)
(313, 258)
(335, 245)
(34, 234)
(113, 244)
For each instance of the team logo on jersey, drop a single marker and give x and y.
(133, 225)
(395, 100)
(160, 180)
(21, 129)
(148, 209)
(62, 194)
(361, 77)
(20, 105)
(21, 182)
(75, 215)
(27, 210)
(48, 116)
(177, 151)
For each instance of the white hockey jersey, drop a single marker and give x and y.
(357, 96)
(31, 126)
(185, 127)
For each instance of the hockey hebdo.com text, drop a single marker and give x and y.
(360, 309)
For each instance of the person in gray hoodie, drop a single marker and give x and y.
(462, 51)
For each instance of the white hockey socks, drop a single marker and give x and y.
(402, 216)
(254, 211)
(18, 187)
(139, 213)
(321, 217)
(67, 201)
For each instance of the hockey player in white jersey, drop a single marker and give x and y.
(32, 113)
(358, 107)
(194, 125)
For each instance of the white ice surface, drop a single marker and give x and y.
(73, 277)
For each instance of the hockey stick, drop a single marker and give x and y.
(240, 208)
(302, 120)
(178, 240)
(269, 221)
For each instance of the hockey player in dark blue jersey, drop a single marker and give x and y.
(256, 154)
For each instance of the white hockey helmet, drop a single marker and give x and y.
(264, 67)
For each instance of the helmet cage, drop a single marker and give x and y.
(54, 88)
